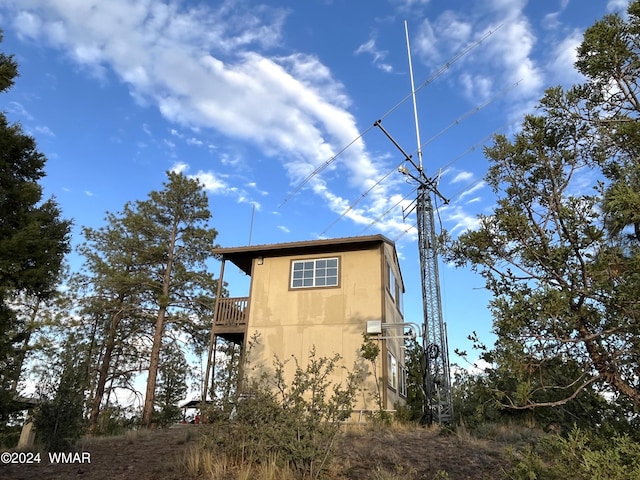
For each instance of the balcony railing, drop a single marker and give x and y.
(232, 312)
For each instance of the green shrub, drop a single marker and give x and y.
(293, 423)
(579, 456)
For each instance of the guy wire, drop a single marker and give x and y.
(429, 80)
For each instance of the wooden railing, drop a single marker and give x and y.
(232, 311)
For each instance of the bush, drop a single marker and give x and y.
(579, 456)
(293, 424)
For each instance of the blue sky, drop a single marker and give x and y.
(251, 97)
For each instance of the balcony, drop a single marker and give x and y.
(231, 318)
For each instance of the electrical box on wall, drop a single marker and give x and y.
(374, 327)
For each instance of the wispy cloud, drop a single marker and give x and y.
(472, 189)
(44, 130)
(617, 5)
(378, 56)
(215, 183)
(462, 177)
(561, 68)
(509, 50)
(209, 67)
(17, 108)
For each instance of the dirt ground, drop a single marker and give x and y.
(363, 454)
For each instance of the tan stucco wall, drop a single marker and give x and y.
(392, 314)
(290, 322)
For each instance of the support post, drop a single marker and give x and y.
(212, 338)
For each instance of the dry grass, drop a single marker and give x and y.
(364, 453)
(199, 462)
(412, 452)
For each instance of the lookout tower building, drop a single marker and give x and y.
(321, 294)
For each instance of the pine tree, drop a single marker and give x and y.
(33, 238)
(149, 263)
(561, 251)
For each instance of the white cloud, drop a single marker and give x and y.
(218, 184)
(426, 43)
(564, 57)
(19, 109)
(477, 87)
(212, 182)
(179, 167)
(208, 68)
(377, 55)
(44, 130)
(27, 25)
(462, 177)
(505, 57)
(458, 220)
(513, 46)
(474, 188)
(617, 5)
(284, 229)
(454, 31)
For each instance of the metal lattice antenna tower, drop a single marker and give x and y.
(438, 404)
(437, 382)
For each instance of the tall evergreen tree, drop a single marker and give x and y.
(33, 237)
(149, 263)
(172, 383)
(561, 251)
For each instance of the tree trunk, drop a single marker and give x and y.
(154, 362)
(150, 396)
(103, 372)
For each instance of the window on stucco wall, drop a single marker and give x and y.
(318, 272)
(392, 377)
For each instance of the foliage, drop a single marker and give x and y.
(294, 421)
(227, 377)
(147, 278)
(59, 419)
(416, 366)
(579, 456)
(172, 384)
(370, 351)
(33, 239)
(561, 250)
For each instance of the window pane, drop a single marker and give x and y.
(314, 273)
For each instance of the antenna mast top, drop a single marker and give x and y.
(413, 96)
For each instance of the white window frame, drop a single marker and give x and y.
(403, 381)
(394, 288)
(313, 273)
(392, 372)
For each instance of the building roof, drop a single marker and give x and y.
(242, 257)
